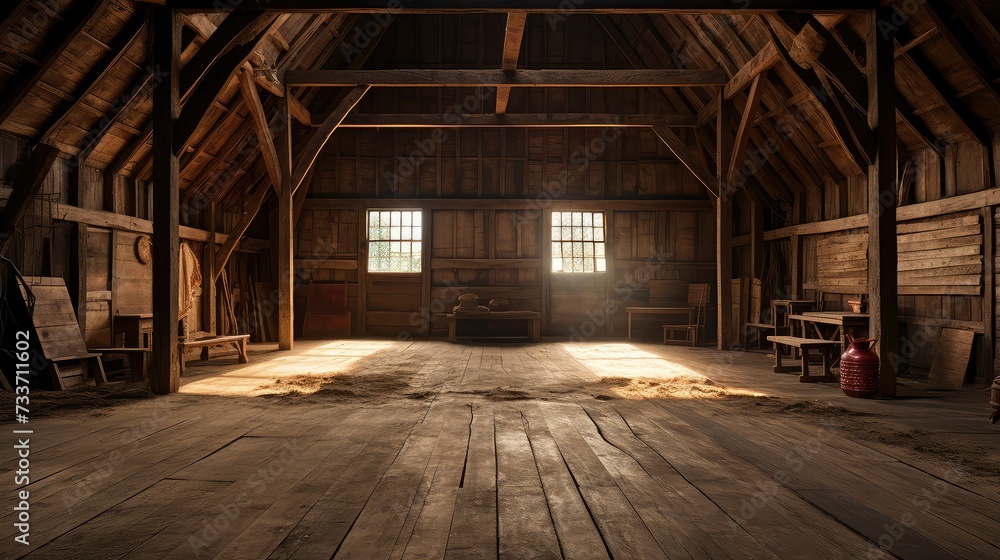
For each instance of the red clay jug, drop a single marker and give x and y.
(859, 367)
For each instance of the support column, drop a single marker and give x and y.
(882, 203)
(164, 375)
(724, 223)
(208, 297)
(286, 230)
(757, 239)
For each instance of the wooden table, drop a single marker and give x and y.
(532, 318)
(137, 328)
(845, 322)
(689, 311)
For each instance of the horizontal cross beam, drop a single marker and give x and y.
(512, 78)
(562, 7)
(543, 120)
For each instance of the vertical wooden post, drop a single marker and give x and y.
(208, 303)
(989, 293)
(882, 250)
(426, 238)
(286, 233)
(757, 239)
(609, 275)
(724, 223)
(164, 376)
(794, 267)
(363, 270)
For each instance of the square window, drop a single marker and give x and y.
(578, 242)
(394, 240)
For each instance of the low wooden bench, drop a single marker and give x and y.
(828, 349)
(238, 341)
(138, 358)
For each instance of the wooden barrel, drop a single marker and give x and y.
(995, 400)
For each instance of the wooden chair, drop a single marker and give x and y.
(698, 296)
(756, 329)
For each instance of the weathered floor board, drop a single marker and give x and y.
(430, 450)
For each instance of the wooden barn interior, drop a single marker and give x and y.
(500, 279)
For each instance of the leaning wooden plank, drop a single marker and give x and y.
(951, 359)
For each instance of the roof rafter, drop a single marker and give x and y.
(79, 16)
(513, 34)
(118, 47)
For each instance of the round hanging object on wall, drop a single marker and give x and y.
(144, 249)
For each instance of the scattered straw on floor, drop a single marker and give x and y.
(683, 386)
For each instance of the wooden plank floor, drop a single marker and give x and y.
(374, 449)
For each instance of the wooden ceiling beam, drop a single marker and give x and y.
(514, 78)
(10, 14)
(77, 18)
(858, 143)
(513, 35)
(207, 90)
(121, 44)
(964, 117)
(742, 140)
(322, 135)
(688, 159)
(261, 126)
(667, 100)
(237, 29)
(511, 120)
(958, 36)
(767, 57)
(538, 6)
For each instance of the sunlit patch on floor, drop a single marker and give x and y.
(632, 373)
(304, 372)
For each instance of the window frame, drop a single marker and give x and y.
(416, 221)
(598, 257)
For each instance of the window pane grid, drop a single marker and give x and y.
(578, 242)
(394, 240)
